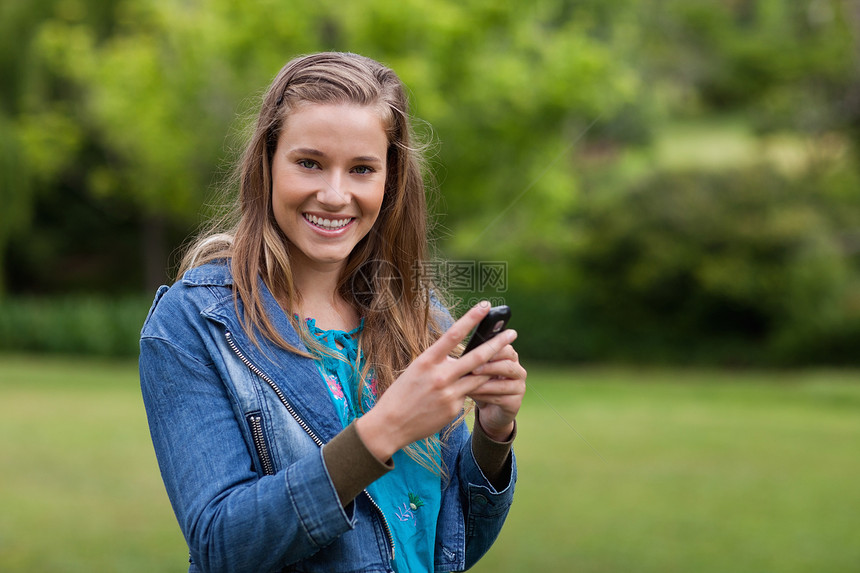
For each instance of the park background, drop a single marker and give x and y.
(672, 189)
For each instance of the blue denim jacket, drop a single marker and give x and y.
(238, 429)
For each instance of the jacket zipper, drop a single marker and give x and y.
(256, 423)
(384, 522)
(232, 344)
(274, 387)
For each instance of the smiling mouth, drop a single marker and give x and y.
(327, 224)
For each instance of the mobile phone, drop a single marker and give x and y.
(495, 322)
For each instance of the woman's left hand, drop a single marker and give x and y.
(499, 399)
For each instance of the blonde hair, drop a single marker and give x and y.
(381, 278)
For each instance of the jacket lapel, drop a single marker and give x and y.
(296, 376)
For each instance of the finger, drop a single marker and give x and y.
(484, 352)
(508, 396)
(458, 331)
(499, 387)
(501, 369)
(510, 403)
(506, 353)
(465, 385)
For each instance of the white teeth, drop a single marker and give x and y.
(327, 223)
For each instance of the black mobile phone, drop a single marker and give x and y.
(492, 324)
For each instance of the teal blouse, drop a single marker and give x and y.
(410, 496)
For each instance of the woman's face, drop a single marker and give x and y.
(328, 180)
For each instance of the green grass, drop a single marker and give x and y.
(686, 471)
(81, 489)
(620, 470)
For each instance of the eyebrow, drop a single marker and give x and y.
(307, 151)
(317, 153)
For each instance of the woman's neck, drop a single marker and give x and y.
(319, 298)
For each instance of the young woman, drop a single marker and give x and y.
(300, 378)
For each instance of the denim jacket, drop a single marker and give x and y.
(238, 428)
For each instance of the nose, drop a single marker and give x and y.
(334, 191)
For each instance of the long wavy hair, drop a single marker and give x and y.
(382, 278)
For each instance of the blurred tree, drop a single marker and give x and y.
(26, 128)
(117, 119)
(735, 265)
(46, 145)
(510, 90)
(787, 65)
(152, 93)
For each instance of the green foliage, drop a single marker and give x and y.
(14, 190)
(786, 64)
(123, 115)
(747, 266)
(72, 325)
(132, 99)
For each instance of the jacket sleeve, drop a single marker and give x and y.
(473, 510)
(232, 519)
(485, 508)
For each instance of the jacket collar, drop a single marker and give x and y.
(296, 376)
(213, 274)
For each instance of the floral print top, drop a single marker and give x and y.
(410, 496)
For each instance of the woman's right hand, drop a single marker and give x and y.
(431, 391)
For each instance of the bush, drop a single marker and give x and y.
(72, 325)
(741, 267)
